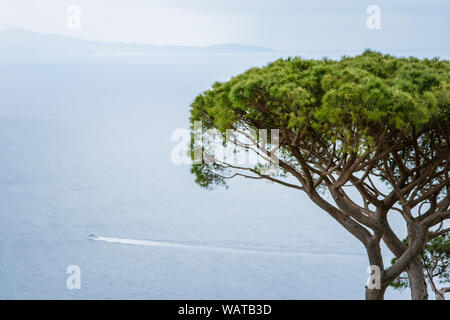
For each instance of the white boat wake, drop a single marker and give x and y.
(153, 243)
(166, 244)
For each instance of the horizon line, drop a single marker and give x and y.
(139, 43)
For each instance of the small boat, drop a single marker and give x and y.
(92, 236)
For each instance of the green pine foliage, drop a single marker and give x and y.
(347, 102)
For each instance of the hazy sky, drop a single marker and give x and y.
(319, 25)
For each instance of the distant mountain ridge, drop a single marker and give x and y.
(21, 42)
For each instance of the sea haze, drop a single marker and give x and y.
(19, 42)
(85, 149)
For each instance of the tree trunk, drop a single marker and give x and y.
(441, 295)
(375, 288)
(417, 282)
(415, 270)
(375, 294)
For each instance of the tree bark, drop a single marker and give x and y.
(375, 294)
(416, 276)
(417, 282)
(376, 260)
(441, 295)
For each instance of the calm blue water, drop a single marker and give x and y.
(85, 148)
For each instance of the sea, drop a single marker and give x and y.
(85, 149)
